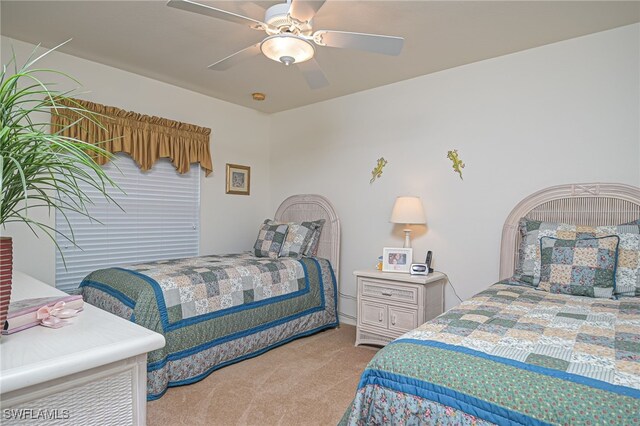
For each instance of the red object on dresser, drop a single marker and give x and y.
(6, 272)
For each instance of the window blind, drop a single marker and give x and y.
(159, 219)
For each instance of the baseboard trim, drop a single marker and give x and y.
(345, 320)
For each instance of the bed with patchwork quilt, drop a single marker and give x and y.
(510, 355)
(216, 310)
(556, 341)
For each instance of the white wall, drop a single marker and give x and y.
(229, 223)
(566, 112)
(561, 113)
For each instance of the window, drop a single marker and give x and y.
(160, 221)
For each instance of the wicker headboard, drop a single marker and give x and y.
(308, 207)
(580, 203)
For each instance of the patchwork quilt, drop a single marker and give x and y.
(200, 285)
(510, 355)
(215, 310)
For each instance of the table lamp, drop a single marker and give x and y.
(409, 211)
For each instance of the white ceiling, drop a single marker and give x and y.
(174, 46)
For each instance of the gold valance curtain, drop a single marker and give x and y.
(144, 138)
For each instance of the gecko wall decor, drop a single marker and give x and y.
(377, 170)
(458, 165)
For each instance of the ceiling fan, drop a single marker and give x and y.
(290, 37)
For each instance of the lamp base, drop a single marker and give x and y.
(407, 238)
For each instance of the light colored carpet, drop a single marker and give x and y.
(308, 381)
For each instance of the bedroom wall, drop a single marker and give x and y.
(228, 222)
(561, 113)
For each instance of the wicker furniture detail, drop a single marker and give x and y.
(99, 400)
(92, 372)
(309, 207)
(400, 294)
(390, 304)
(581, 204)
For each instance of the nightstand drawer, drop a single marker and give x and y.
(402, 319)
(385, 291)
(373, 314)
(391, 304)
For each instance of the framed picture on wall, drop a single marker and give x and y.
(238, 179)
(397, 259)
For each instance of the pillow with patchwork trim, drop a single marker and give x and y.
(312, 248)
(628, 268)
(298, 237)
(270, 240)
(629, 263)
(580, 266)
(527, 270)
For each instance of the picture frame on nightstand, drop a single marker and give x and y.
(397, 259)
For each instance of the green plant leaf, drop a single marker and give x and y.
(39, 166)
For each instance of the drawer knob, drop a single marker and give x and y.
(380, 316)
(387, 293)
(393, 319)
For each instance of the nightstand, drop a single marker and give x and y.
(391, 303)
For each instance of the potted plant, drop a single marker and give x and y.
(39, 167)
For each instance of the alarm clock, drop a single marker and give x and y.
(419, 269)
(422, 268)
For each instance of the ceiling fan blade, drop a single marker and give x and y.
(313, 74)
(387, 45)
(231, 60)
(305, 10)
(203, 9)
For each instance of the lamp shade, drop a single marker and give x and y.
(408, 210)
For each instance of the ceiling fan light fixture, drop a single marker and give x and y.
(287, 48)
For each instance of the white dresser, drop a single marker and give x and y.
(93, 371)
(391, 303)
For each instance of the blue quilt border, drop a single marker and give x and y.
(127, 301)
(241, 358)
(164, 320)
(449, 397)
(191, 351)
(563, 375)
(167, 326)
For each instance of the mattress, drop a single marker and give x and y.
(510, 355)
(216, 310)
